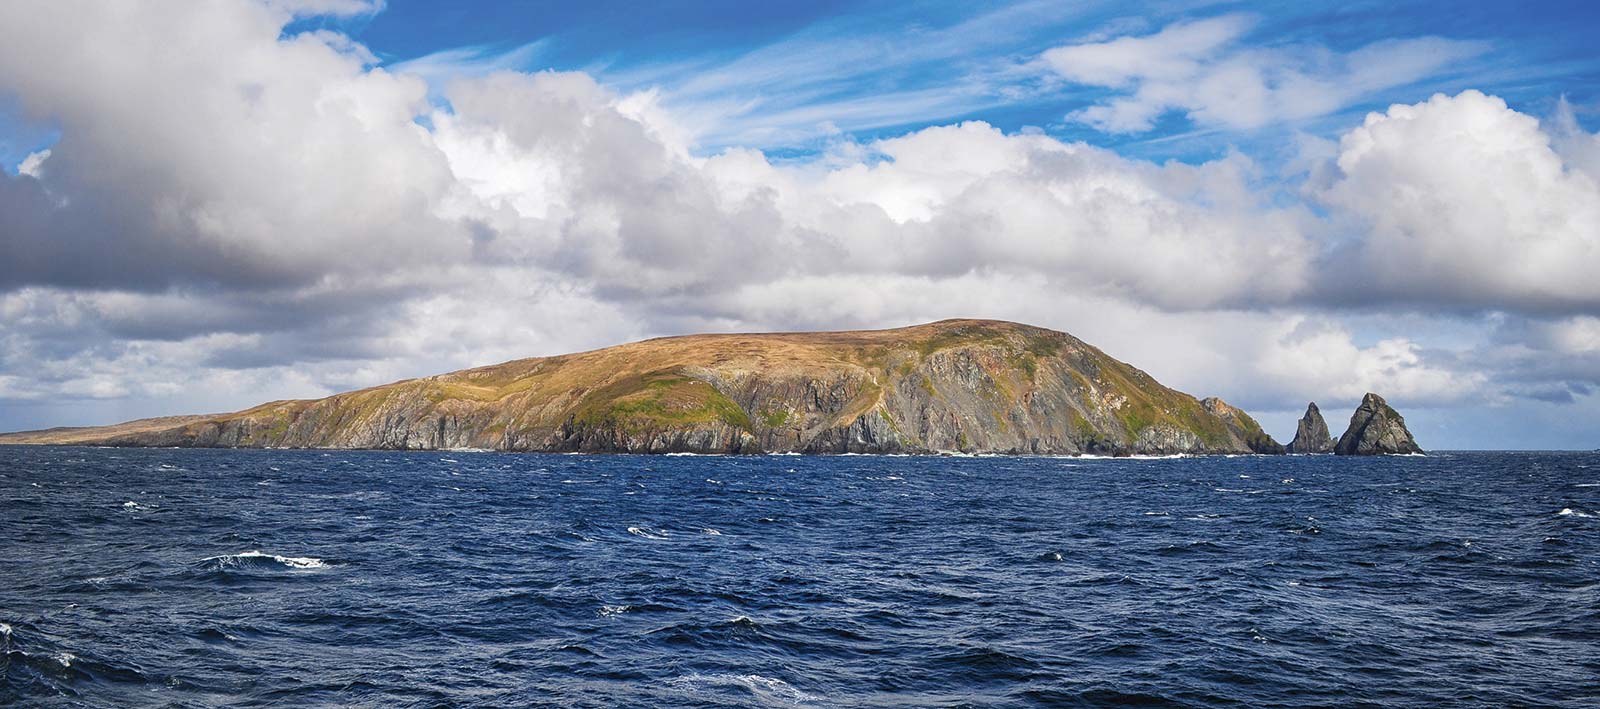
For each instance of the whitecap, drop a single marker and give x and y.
(293, 562)
(1569, 512)
(710, 531)
(608, 611)
(1587, 485)
(766, 690)
(647, 533)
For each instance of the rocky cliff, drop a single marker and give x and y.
(1311, 435)
(1376, 429)
(955, 385)
(1243, 427)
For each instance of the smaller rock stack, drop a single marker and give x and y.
(1311, 436)
(1375, 429)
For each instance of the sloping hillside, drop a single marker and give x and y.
(953, 385)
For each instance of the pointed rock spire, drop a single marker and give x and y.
(1376, 429)
(1311, 436)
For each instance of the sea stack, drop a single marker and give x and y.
(1376, 429)
(1311, 436)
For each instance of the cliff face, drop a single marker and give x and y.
(1311, 435)
(955, 385)
(1243, 427)
(1376, 429)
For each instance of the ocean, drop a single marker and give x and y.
(197, 578)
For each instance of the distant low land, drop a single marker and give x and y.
(969, 386)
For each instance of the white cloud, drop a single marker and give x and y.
(1580, 149)
(335, 8)
(288, 220)
(1317, 358)
(1199, 68)
(1173, 54)
(1461, 201)
(32, 164)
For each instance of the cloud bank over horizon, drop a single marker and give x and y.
(292, 216)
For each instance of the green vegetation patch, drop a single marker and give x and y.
(1148, 403)
(1043, 346)
(658, 400)
(775, 418)
(965, 335)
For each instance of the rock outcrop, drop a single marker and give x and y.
(1376, 429)
(974, 386)
(1311, 435)
(1243, 427)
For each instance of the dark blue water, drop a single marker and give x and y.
(202, 578)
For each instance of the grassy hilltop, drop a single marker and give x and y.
(953, 385)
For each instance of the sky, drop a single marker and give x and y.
(208, 205)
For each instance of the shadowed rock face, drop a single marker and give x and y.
(955, 385)
(1376, 429)
(1311, 436)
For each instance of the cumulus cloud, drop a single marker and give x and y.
(1200, 69)
(288, 219)
(1308, 358)
(1461, 201)
(280, 162)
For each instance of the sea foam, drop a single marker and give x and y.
(256, 556)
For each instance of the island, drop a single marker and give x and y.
(967, 386)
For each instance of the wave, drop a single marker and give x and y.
(258, 558)
(766, 690)
(1091, 456)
